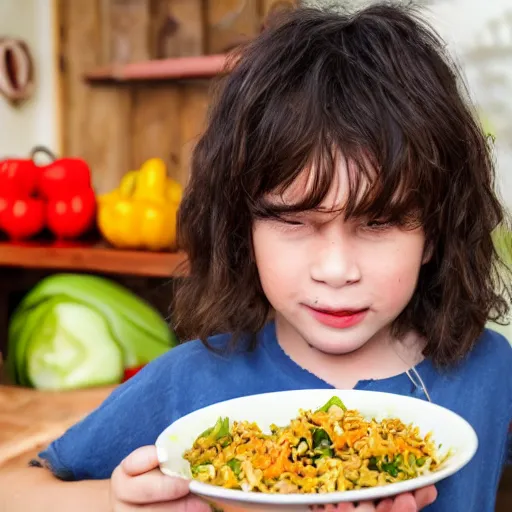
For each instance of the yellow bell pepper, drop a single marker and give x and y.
(141, 213)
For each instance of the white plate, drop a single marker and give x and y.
(449, 429)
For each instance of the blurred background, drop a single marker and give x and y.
(101, 102)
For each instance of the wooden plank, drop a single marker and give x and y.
(107, 146)
(177, 28)
(156, 126)
(167, 123)
(59, 86)
(97, 258)
(125, 26)
(231, 22)
(64, 77)
(176, 31)
(194, 107)
(269, 8)
(276, 5)
(96, 119)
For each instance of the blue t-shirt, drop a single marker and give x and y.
(190, 377)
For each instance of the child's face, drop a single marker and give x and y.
(337, 283)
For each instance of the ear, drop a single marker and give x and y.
(428, 252)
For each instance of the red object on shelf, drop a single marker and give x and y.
(64, 177)
(22, 218)
(57, 196)
(130, 372)
(204, 66)
(18, 177)
(69, 217)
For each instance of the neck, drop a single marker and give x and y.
(380, 357)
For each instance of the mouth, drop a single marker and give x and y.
(338, 318)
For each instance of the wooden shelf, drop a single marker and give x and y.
(92, 258)
(204, 66)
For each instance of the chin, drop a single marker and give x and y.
(337, 347)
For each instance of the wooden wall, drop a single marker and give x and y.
(115, 127)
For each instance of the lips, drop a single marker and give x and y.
(339, 312)
(338, 319)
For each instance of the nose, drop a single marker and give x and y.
(335, 262)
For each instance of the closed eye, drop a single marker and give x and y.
(293, 222)
(377, 225)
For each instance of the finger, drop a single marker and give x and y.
(385, 506)
(152, 487)
(404, 503)
(365, 506)
(425, 497)
(189, 504)
(342, 507)
(140, 461)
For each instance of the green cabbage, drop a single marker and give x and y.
(72, 331)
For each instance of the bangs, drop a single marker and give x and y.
(369, 190)
(308, 151)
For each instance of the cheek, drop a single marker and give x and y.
(277, 262)
(395, 274)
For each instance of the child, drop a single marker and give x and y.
(338, 222)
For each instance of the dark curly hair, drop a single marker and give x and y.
(375, 86)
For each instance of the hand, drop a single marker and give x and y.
(402, 503)
(138, 484)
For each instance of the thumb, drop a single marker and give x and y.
(140, 461)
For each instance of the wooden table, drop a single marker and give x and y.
(30, 419)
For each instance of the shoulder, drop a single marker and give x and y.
(188, 354)
(492, 352)
(194, 362)
(487, 366)
(484, 376)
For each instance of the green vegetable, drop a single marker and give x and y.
(66, 357)
(235, 465)
(333, 401)
(394, 467)
(20, 330)
(73, 331)
(200, 468)
(384, 465)
(218, 431)
(421, 461)
(390, 468)
(322, 443)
